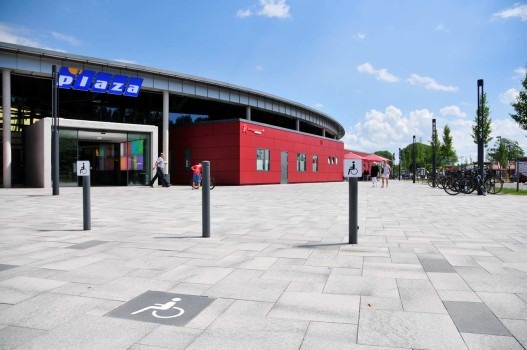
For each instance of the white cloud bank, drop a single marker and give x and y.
(16, 35)
(429, 83)
(518, 10)
(452, 110)
(509, 96)
(388, 130)
(268, 8)
(380, 74)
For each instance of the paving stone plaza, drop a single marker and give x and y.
(431, 271)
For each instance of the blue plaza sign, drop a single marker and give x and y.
(87, 80)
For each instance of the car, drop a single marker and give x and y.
(523, 178)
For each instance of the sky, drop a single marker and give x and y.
(382, 69)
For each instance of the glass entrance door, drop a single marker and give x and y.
(116, 158)
(68, 156)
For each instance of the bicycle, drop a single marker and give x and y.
(196, 186)
(493, 184)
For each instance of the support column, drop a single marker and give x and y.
(6, 108)
(297, 125)
(248, 112)
(165, 126)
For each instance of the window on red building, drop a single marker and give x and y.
(262, 159)
(315, 163)
(301, 162)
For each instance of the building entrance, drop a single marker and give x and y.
(116, 158)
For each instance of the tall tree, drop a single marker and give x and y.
(447, 154)
(504, 151)
(486, 123)
(521, 106)
(499, 152)
(385, 154)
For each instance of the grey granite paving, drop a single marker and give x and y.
(277, 268)
(475, 318)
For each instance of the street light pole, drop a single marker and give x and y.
(509, 160)
(434, 151)
(54, 133)
(480, 133)
(413, 159)
(498, 153)
(393, 165)
(400, 164)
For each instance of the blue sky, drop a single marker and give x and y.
(383, 69)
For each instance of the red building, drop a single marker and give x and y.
(249, 136)
(243, 152)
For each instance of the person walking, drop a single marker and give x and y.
(374, 171)
(385, 175)
(159, 165)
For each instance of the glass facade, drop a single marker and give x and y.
(116, 161)
(120, 159)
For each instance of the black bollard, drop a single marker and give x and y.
(205, 195)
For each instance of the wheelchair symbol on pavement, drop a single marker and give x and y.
(163, 307)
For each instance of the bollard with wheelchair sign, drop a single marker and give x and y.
(83, 169)
(353, 170)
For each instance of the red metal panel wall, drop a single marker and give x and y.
(218, 143)
(231, 149)
(255, 136)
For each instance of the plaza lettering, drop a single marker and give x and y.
(101, 82)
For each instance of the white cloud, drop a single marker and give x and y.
(441, 28)
(429, 83)
(509, 96)
(360, 36)
(67, 38)
(520, 73)
(380, 74)
(517, 11)
(452, 110)
(274, 8)
(509, 129)
(392, 129)
(124, 60)
(388, 130)
(319, 105)
(17, 35)
(244, 13)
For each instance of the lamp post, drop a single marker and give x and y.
(509, 150)
(413, 159)
(54, 133)
(393, 164)
(399, 164)
(498, 153)
(434, 151)
(480, 133)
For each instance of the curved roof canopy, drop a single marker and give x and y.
(39, 62)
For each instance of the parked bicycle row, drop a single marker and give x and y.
(467, 182)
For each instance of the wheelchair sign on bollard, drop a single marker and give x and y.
(83, 169)
(353, 170)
